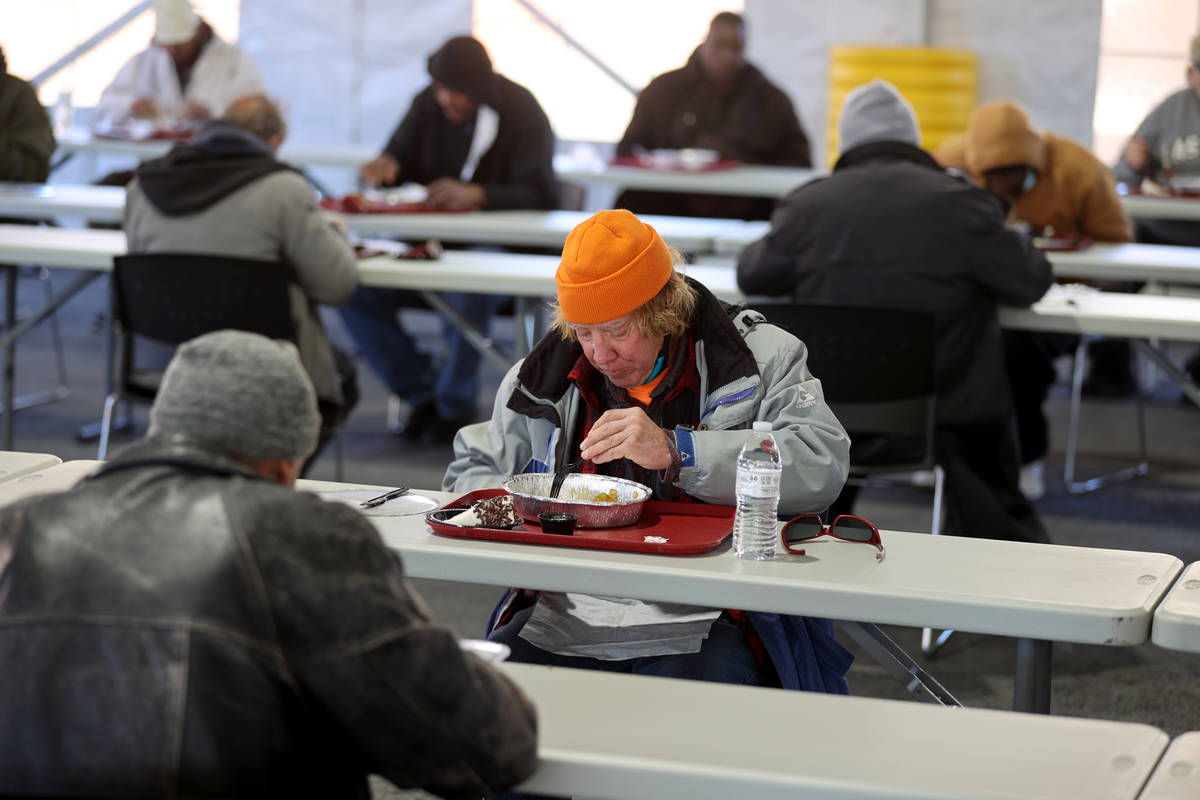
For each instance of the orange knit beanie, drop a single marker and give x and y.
(612, 263)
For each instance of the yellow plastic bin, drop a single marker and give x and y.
(940, 84)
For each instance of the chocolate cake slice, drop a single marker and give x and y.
(490, 512)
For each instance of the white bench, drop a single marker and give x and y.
(1177, 776)
(625, 737)
(1177, 618)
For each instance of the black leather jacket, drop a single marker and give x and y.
(178, 626)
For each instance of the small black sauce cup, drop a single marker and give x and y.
(558, 522)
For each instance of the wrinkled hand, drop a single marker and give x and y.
(196, 112)
(381, 171)
(449, 193)
(1137, 155)
(143, 108)
(627, 433)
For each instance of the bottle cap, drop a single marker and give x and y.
(762, 426)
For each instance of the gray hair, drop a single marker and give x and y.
(256, 114)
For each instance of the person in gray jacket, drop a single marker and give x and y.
(182, 623)
(1165, 149)
(647, 376)
(890, 228)
(225, 193)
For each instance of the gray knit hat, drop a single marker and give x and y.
(239, 394)
(876, 112)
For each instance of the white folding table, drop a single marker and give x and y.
(1148, 206)
(532, 276)
(1030, 591)
(630, 737)
(13, 465)
(1177, 618)
(79, 140)
(722, 237)
(52, 478)
(547, 229)
(526, 228)
(746, 180)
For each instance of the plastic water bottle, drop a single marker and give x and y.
(759, 470)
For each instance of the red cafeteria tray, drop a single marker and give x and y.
(689, 528)
(356, 204)
(634, 161)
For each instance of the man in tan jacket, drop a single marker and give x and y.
(1051, 181)
(1059, 188)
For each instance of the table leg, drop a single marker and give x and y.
(10, 348)
(1181, 378)
(478, 340)
(1031, 687)
(891, 657)
(120, 420)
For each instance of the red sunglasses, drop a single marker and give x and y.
(846, 527)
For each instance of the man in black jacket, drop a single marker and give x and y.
(717, 101)
(183, 624)
(26, 139)
(890, 228)
(475, 139)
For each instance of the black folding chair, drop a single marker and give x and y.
(173, 297)
(876, 367)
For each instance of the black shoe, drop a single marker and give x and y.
(1109, 386)
(1192, 368)
(419, 419)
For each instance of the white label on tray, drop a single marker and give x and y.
(654, 539)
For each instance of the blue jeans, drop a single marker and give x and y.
(372, 318)
(725, 657)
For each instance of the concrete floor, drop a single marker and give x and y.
(1160, 512)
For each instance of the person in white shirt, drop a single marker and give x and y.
(187, 75)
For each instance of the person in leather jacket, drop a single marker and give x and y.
(183, 623)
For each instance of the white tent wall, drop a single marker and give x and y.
(346, 70)
(1043, 55)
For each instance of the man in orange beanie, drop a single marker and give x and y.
(1051, 183)
(648, 376)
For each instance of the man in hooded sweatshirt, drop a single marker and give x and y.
(224, 193)
(475, 139)
(1056, 185)
(890, 228)
(717, 101)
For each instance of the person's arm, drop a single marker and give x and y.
(1143, 147)
(393, 684)
(116, 101)
(1102, 216)
(768, 266)
(529, 180)
(323, 261)
(26, 138)
(792, 149)
(488, 452)
(640, 131)
(402, 144)
(812, 443)
(1004, 261)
